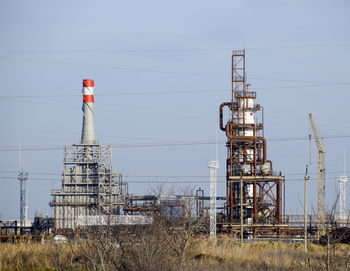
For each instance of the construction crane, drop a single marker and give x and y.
(321, 179)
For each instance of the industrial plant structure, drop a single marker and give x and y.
(90, 187)
(92, 194)
(342, 217)
(253, 191)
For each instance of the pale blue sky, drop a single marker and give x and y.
(297, 61)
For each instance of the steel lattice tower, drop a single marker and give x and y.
(213, 166)
(343, 179)
(342, 196)
(22, 177)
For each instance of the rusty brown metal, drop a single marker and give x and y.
(247, 155)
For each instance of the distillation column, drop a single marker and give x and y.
(247, 161)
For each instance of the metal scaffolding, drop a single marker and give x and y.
(343, 179)
(213, 166)
(247, 164)
(89, 185)
(23, 177)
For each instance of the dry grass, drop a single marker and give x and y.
(36, 256)
(262, 256)
(225, 254)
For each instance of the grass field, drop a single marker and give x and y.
(225, 254)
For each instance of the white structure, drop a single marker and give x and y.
(22, 177)
(246, 116)
(343, 179)
(213, 166)
(114, 220)
(246, 113)
(88, 132)
(89, 185)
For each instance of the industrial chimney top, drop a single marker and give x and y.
(88, 131)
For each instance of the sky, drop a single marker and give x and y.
(161, 70)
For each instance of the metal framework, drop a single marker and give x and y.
(23, 177)
(342, 197)
(213, 166)
(89, 185)
(13, 228)
(176, 206)
(343, 179)
(321, 178)
(247, 162)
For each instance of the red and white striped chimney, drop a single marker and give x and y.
(88, 132)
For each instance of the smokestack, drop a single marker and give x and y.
(88, 132)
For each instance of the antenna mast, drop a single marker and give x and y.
(22, 177)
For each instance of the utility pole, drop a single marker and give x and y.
(305, 209)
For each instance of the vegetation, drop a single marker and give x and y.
(171, 243)
(155, 252)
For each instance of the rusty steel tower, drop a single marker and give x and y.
(253, 190)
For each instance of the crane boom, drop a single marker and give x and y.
(321, 178)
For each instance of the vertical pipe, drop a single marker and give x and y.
(305, 210)
(284, 199)
(279, 202)
(255, 204)
(241, 196)
(233, 86)
(231, 201)
(263, 127)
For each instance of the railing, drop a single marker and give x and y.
(246, 94)
(238, 52)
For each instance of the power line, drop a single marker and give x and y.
(123, 68)
(116, 94)
(112, 67)
(174, 92)
(164, 144)
(300, 46)
(169, 50)
(127, 177)
(149, 181)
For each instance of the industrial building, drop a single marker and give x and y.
(254, 205)
(253, 190)
(90, 187)
(93, 194)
